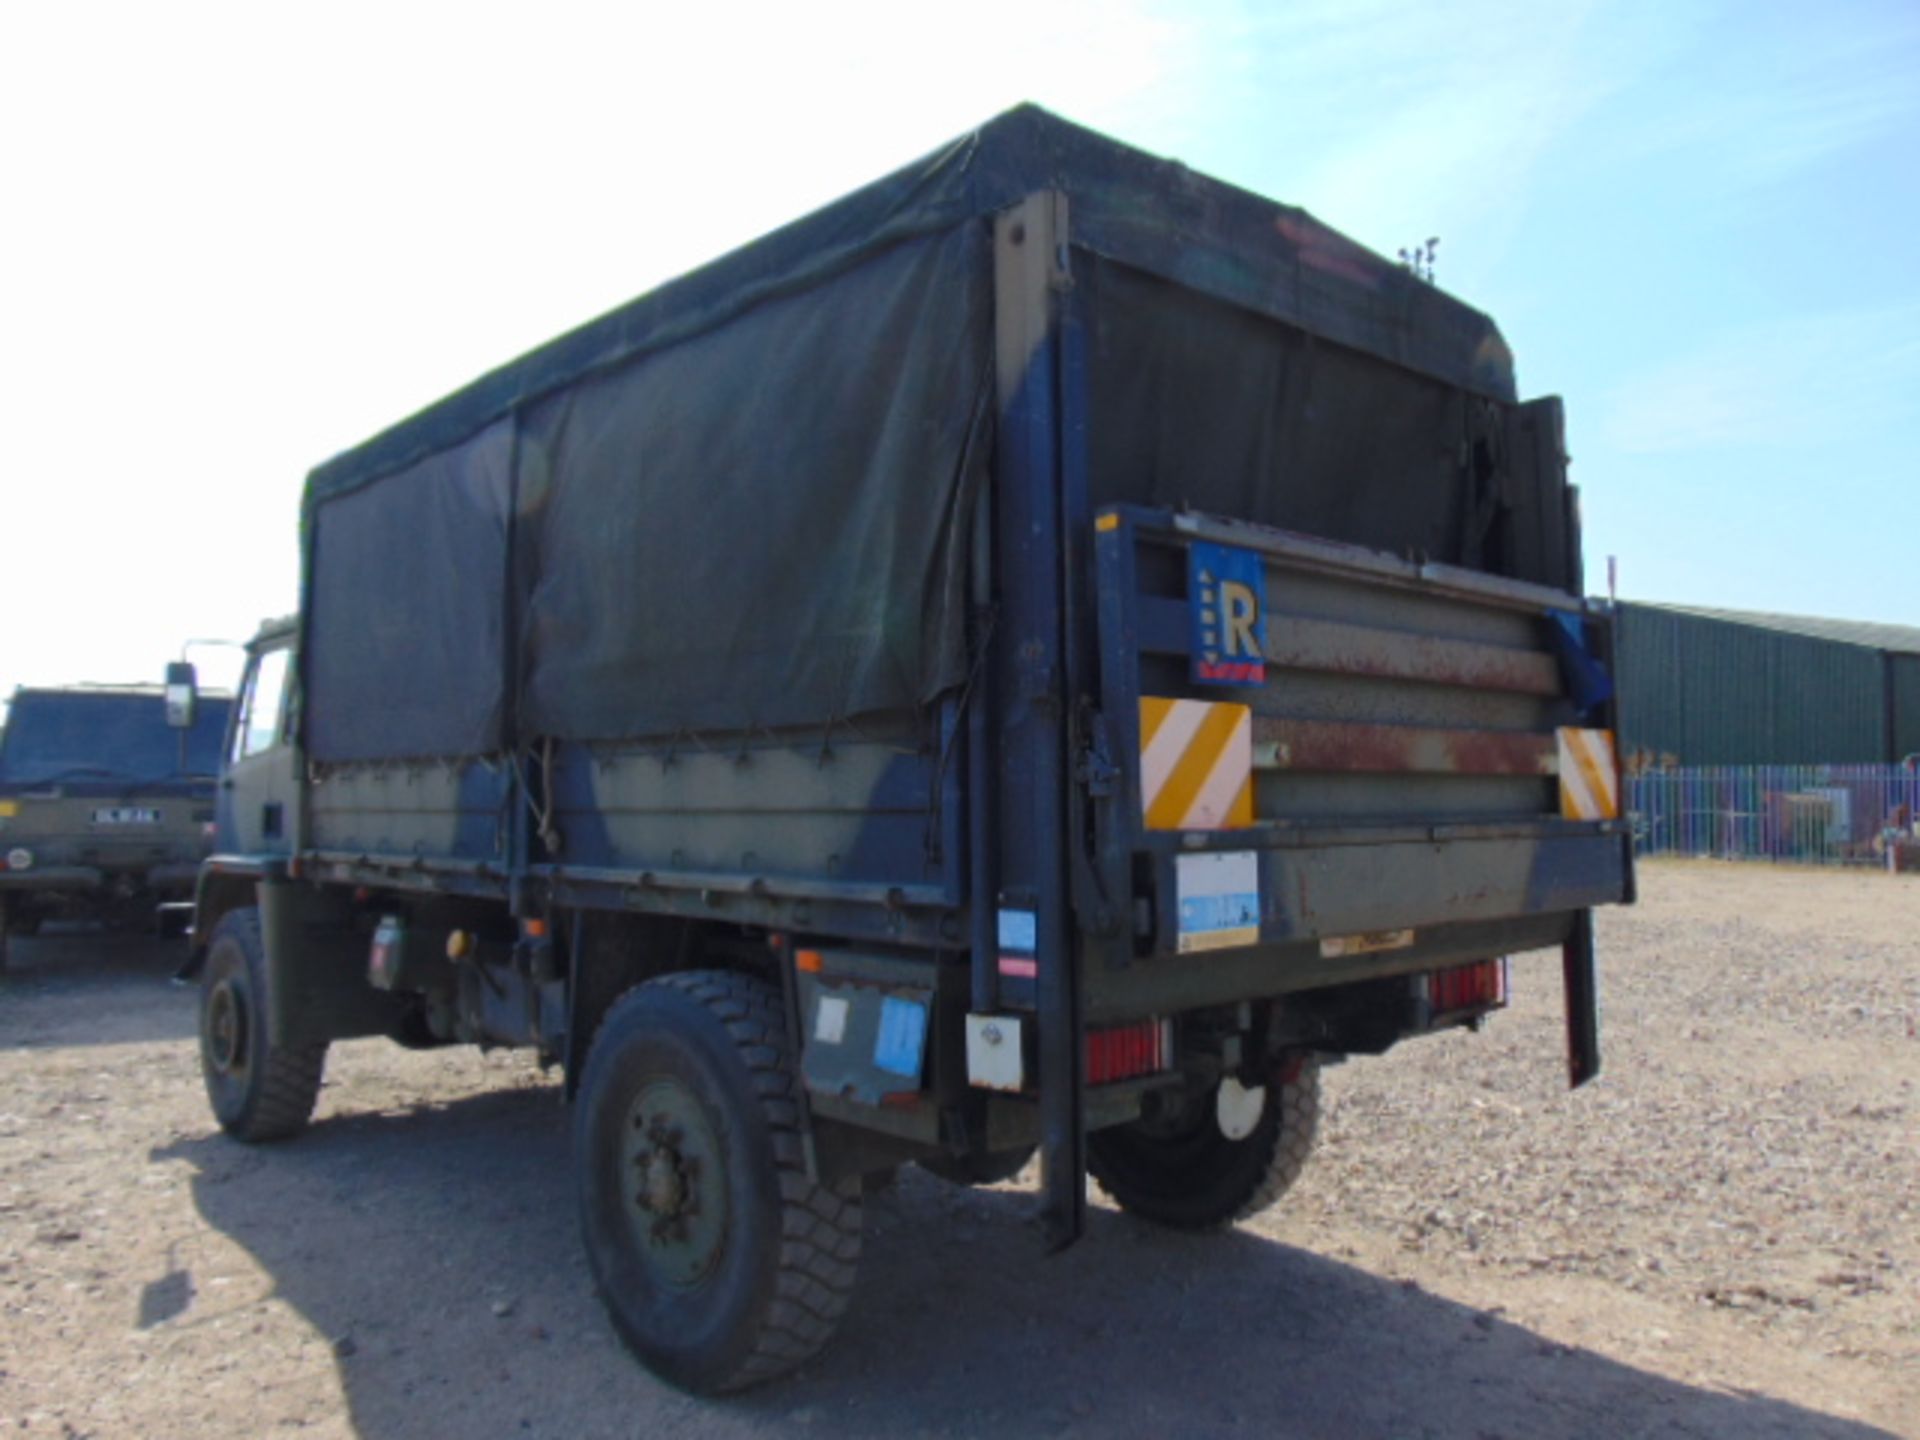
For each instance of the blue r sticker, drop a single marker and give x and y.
(1226, 598)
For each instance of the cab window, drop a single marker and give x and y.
(259, 728)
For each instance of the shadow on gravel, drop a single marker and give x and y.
(436, 1250)
(74, 985)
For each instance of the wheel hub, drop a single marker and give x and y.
(666, 1177)
(672, 1178)
(226, 1028)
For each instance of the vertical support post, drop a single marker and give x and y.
(1583, 1002)
(983, 811)
(519, 832)
(783, 950)
(1604, 629)
(1029, 262)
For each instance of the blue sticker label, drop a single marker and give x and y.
(1200, 914)
(1019, 932)
(902, 1038)
(1219, 893)
(1227, 599)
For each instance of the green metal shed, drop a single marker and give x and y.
(1733, 687)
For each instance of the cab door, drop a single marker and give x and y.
(259, 789)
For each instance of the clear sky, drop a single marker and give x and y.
(236, 239)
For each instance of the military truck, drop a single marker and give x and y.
(105, 811)
(1042, 654)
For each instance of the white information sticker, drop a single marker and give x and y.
(1219, 895)
(830, 1020)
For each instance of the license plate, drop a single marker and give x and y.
(126, 815)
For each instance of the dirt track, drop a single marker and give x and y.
(1719, 1237)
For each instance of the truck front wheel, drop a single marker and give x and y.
(1183, 1167)
(258, 1090)
(720, 1262)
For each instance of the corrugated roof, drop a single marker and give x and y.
(1902, 639)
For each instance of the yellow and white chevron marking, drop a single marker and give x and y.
(1196, 764)
(1589, 775)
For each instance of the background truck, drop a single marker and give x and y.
(105, 811)
(1040, 654)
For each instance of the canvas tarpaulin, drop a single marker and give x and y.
(763, 525)
(1197, 404)
(406, 644)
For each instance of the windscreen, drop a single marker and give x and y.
(73, 738)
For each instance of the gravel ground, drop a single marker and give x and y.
(1718, 1237)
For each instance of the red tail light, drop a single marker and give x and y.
(1121, 1052)
(1480, 986)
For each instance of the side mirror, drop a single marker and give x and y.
(183, 695)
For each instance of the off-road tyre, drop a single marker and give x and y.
(772, 1285)
(992, 1168)
(1186, 1174)
(258, 1090)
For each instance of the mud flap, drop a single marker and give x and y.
(317, 986)
(1583, 1002)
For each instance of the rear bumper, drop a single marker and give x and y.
(1320, 913)
(169, 879)
(1172, 984)
(1324, 885)
(54, 879)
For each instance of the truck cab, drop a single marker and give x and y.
(105, 810)
(258, 799)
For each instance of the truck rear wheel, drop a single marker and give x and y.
(258, 1090)
(720, 1262)
(1182, 1168)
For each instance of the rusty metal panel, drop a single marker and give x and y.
(1330, 645)
(1408, 796)
(1281, 744)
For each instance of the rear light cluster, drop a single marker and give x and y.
(1480, 986)
(1121, 1052)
